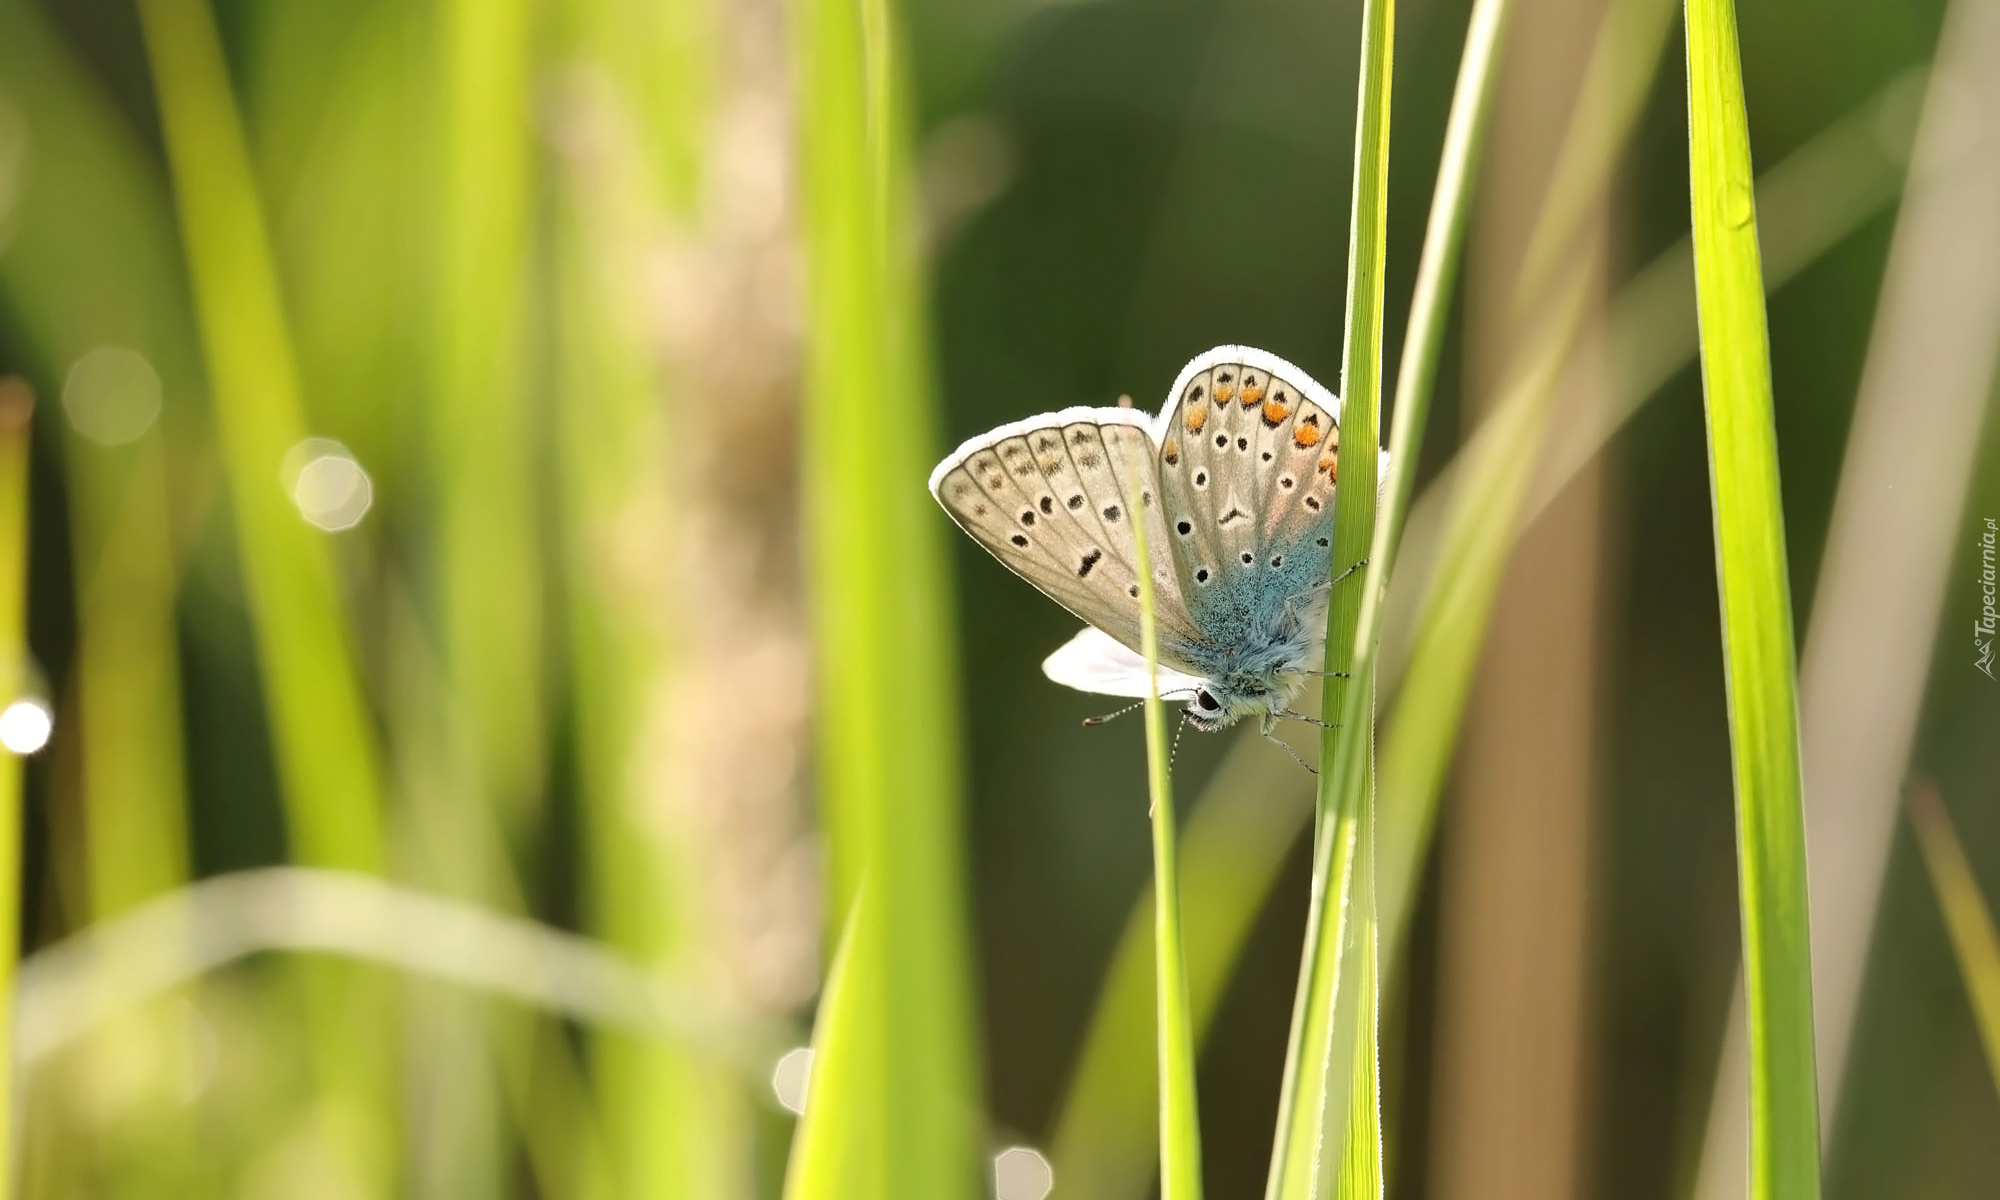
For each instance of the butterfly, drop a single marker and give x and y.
(1236, 482)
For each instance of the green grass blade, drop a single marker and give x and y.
(1328, 1035)
(1180, 1125)
(1437, 279)
(484, 420)
(17, 406)
(58, 266)
(888, 738)
(327, 759)
(1758, 649)
(1967, 918)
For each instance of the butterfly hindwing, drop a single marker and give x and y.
(1249, 459)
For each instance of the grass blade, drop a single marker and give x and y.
(1758, 649)
(326, 751)
(904, 1076)
(1968, 920)
(17, 406)
(1333, 1023)
(1180, 1126)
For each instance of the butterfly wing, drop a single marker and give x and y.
(1249, 458)
(1050, 497)
(1093, 662)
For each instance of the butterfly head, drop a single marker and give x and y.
(1220, 703)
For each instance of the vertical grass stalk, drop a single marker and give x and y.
(1327, 1037)
(17, 407)
(902, 1095)
(1758, 649)
(1180, 1126)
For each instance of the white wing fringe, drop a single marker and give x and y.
(1093, 661)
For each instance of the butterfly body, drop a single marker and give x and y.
(1235, 480)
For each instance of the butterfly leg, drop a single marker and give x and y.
(1287, 714)
(1349, 571)
(1270, 724)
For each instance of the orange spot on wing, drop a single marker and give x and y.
(1330, 464)
(1196, 418)
(1274, 412)
(1306, 436)
(1225, 392)
(1171, 452)
(1252, 397)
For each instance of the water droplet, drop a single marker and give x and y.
(791, 1077)
(1739, 205)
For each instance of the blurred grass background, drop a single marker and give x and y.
(540, 623)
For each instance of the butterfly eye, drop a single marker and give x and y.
(1206, 701)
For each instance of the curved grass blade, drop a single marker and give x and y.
(1758, 648)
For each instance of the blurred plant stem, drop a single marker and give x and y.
(17, 408)
(1758, 648)
(1967, 916)
(124, 694)
(676, 1123)
(327, 758)
(1510, 1013)
(1328, 1138)
(483, 424)
(893, 1111)
(119, 966)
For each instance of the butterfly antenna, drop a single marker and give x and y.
(1094, 722)
(1174, 752)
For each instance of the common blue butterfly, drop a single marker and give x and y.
(1239, 473)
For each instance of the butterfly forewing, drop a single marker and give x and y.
(1050, 500)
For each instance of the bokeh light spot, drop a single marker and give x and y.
(1022, 1174)
(331, 489)
(791, 1076)
(112, 395)
(25, 726)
